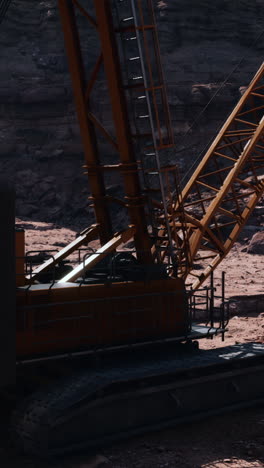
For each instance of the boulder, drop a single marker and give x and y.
(256, 245)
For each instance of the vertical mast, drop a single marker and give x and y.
(133, 194)
(141, 124)
(88, 135)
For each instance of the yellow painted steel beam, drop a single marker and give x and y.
(230, 242)
(84, 237)
(93, 259)
(233, 174)
(225, 128)
(228, 191)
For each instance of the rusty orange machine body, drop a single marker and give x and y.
(69, 317)
(159, 218)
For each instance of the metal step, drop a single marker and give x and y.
(140, 86)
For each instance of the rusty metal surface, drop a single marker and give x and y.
(133, 194)
(92, 260)
(149, 114)
(84, 237)
(88, 135)
(118, 24)
(72, 316)
(223, 191)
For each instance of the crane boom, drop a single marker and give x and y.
(226, 186)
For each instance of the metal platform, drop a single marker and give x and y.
(197, 332)
(201, 331)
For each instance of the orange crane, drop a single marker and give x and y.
(226, 186)
(120, 298)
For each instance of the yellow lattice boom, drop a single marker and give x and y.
(224, 189)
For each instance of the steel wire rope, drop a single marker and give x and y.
(3, 9)
(197, 119)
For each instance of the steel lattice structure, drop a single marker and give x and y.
(200, 224)
(130, 57)
(226, 186)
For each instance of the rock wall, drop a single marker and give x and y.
(40, 147)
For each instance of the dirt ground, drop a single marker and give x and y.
(233, 440)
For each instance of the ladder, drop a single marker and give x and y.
(148, 116)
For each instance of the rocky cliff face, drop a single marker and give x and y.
(40, 147)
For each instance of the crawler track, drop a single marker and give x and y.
(134, 394)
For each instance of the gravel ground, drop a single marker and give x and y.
(233, 440)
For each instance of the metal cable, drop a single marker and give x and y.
(3, 9)
(197, 119)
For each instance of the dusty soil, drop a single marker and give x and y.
(235, 440)
(244, 271)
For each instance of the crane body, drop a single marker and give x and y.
(146, 298)
(131, 292)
